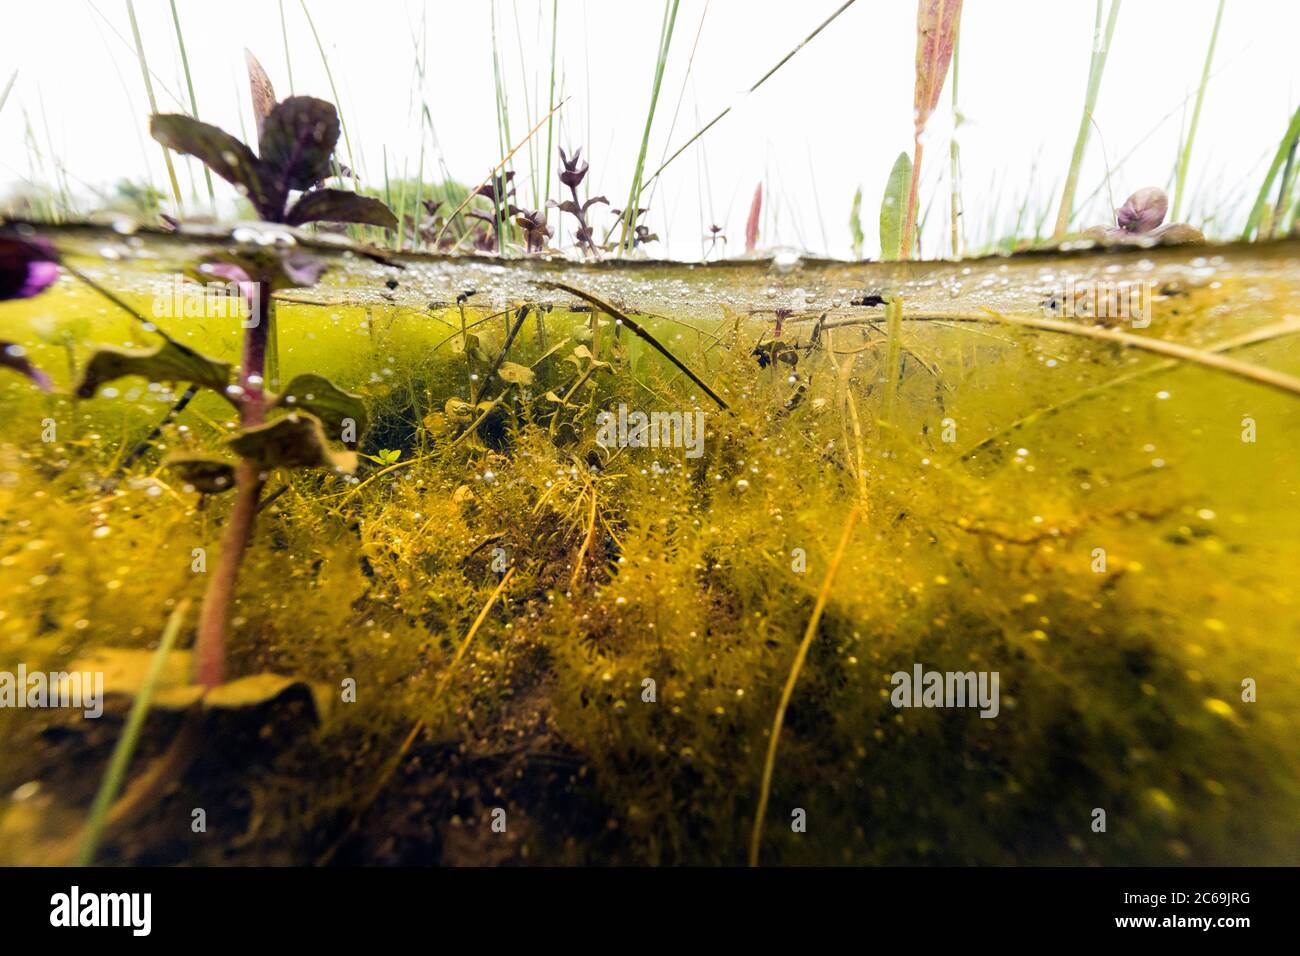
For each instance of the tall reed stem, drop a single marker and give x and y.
(1186, 157)
(1101, 46)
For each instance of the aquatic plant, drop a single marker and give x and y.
(936, 36)
(572, 173)
(1141, 217)
(27, 268)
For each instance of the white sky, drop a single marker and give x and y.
(832, 119)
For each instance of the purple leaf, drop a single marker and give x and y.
(302, 269)
(339, 205)
(27, 267)
(1143, 211)
(224, 155)
(298, 139)
(15, 357)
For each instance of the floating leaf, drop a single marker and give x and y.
(169, 362)
(211, 476)
(295, 441)
(260, 86)
(339, 205)
(257, 689)
(893, 206)
(298, 139)
(125, 671)
(13, 356)
(333, 406)
(515, 373)
(224, 155)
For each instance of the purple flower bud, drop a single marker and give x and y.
(27, 267)
(1143, 211)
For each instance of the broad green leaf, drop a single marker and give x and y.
(294, 441)
(211, 476)
(339, 205)
(325, 400)
(515, 373)
(224, 155)
(169, 362)
(893, 207)
(298, 139)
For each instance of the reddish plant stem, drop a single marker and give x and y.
(909, 230)
(214, 616)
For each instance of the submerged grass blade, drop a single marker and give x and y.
(769, 763)
(1253, 373)
(641, 333)
(1185, 157)
(1101, 46)
(125, 747)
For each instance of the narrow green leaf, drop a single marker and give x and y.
(893, 207)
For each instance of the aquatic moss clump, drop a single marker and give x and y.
(1115, 563)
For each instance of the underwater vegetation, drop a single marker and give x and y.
(378, 529)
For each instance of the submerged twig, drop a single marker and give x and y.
(641, 333)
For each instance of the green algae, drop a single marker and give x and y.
(1121, 678)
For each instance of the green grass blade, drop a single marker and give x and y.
(1095, 69)
(1261, 201)
(121, 759)
(1185, 157)
(194, 103)
(153, 102)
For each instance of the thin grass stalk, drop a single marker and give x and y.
(634, 194)
(329, 75)
(126, 744)
(1185, 158)
(550, 98)
(284, 35)
(194, 103)
(1096, 67)
(761, 80)
(4, 97)
(153, 102)
(954, 155)
(801, 655)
